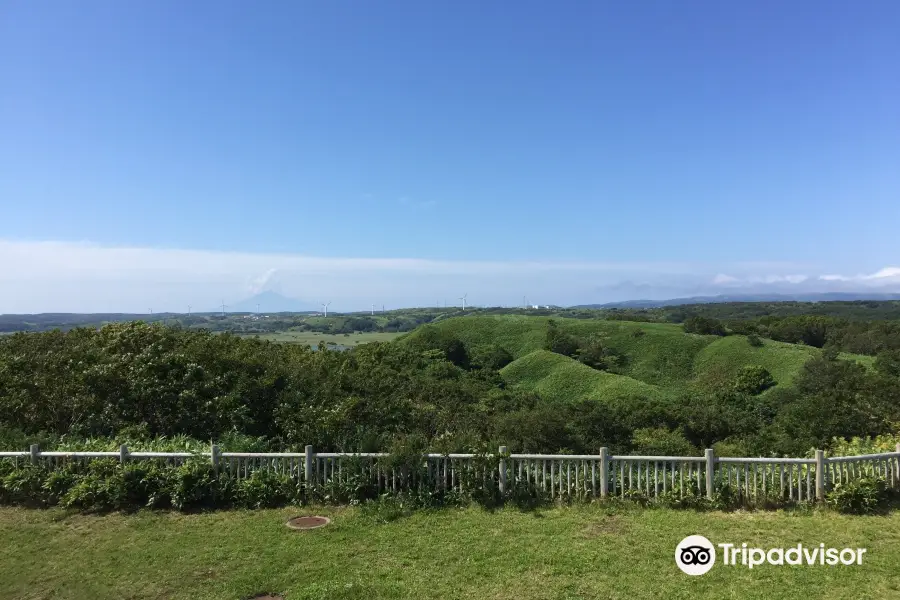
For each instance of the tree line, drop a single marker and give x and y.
(432, 390)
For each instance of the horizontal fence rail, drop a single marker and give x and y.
(748, 481)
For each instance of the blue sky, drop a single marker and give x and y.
(655, 147)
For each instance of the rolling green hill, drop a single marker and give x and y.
(721, 360)
(559, 378)
(659, 358)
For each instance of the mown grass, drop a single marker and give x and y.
(561, 553)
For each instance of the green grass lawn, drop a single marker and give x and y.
(561, 553)
(312, 338)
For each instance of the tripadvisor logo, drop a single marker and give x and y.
(696, 555)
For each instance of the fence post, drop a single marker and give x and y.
(35, 453)
(710, 471)
(897, 467)
(214, 457)
(502, 469)
(123, 454)
(820, 475)
(307, 469)
(604, 472)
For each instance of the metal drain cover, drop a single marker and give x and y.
(308, 522)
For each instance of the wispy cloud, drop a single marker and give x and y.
(885, 276)
(259, 283)
(86, 277)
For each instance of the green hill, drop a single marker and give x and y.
(657, 353)
(659, 358)
(720, 361)
(559, 378)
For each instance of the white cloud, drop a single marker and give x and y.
(259, 284)
(721, 279)
(728, 280)
(887, 275)
(87, 277)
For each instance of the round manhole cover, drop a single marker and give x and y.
(308, 522)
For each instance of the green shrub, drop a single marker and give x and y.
(94, 492)
(865, 445)
(704, 326)
(860, 496)
(265, 489)
(725, 497)
(386, 509)
(660, 441)
(691, 499)
(754, 340)
(57, 484)
(559, 342)
(24, 486)
(194, 485)
(753, 380)
(490, 356)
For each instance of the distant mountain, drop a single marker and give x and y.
(271, 302)
(809, 297)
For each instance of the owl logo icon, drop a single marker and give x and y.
(695, 555)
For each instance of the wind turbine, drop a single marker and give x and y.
(325, 306)
(223, 308)
(189, 310)
(373, 309)
(257, 309)
(464, 300)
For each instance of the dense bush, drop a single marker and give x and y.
(858, 496)
(560, 342)
(753, 380)
(596, 353)
(659, 441)
(704, 326)
(490, 356)
(156, 388)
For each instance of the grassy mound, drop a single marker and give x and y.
(659, 358)
(656, 353)
(720, 361)
(558, 378)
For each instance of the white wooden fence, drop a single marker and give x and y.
(557, 476)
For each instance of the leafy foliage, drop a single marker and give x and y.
(704, 326)
(753, 380)
(858, 496)
(559, 342)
